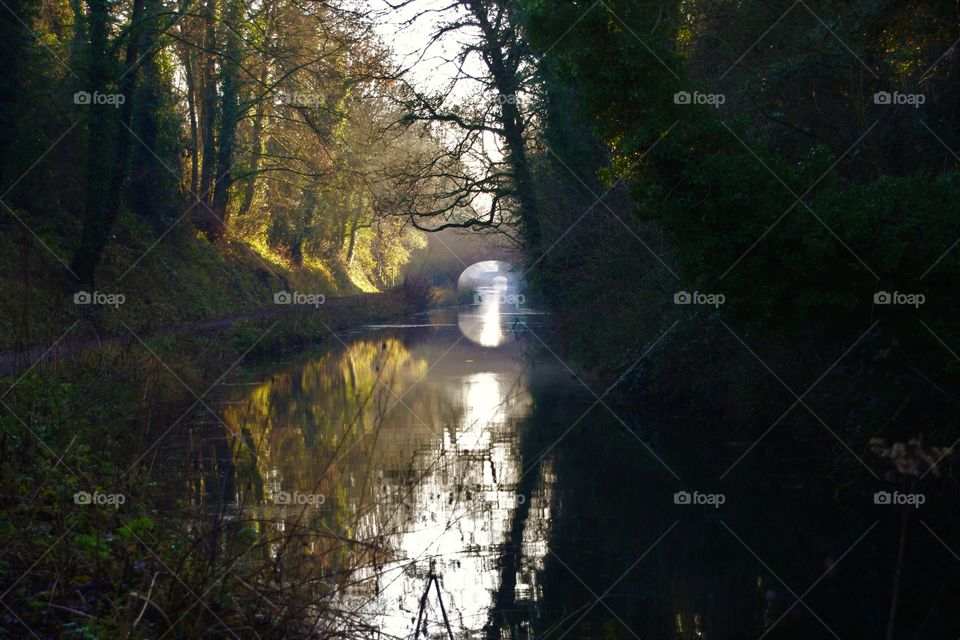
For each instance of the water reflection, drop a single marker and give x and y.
(498, 315)
(411, 452)
(411, 439)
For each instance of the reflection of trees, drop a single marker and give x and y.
(607, 509)
(456, 500)
(298, 431)
(444, 465)
(427, 482)
(612, 501)
(347, 425)
(300, 421)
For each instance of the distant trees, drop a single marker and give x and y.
(264, 123)
(284, 140)
(481, 177)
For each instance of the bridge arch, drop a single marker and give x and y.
(498, 275)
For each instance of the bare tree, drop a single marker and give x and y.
(481, 176)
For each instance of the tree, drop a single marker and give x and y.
(108, 145)
(481, 177)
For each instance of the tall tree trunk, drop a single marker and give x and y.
(86, 256)
(229, 118)
(352, 246)
(191, 79)
(301, 224)
(208, 110)
(147, 173)
(256, 145)
(105, 187)
(343, 219)
(188, 58)
(505, 74)
(523, 178)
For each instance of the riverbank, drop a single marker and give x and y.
(94, 514)
(348, 309)
(145, 283)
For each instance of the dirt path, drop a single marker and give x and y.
(16, 361)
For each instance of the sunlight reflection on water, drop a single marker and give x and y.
(414, 445)
(495, 318)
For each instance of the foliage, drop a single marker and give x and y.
(796, 194)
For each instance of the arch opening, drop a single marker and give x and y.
(492, 288)
(489, 274)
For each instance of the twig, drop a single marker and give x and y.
(79, 613)
(146, 601)
(423, 603)
(446, 621)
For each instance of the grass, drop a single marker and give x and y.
(180, 278)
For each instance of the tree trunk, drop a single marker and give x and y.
(144, 193)
(208, 106)
(351, 247)
(506, 80)
(523, 178)
(14, 44)
(105, 187)
(229, 118)
(257, 147)
(191, 79)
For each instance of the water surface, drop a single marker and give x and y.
(450, 469)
